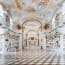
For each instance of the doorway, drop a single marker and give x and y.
(31, 32)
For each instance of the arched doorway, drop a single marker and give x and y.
(32, 40)
(31, 34)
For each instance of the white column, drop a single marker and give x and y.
(53, 23)
(11, 23)
(44, 41)
(3, 45)
(61, 44)
(20, 43)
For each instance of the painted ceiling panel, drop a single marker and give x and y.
(46, 8)
(32, 5)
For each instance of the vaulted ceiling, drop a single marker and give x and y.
(47, 9)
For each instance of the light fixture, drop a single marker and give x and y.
(0, 24)
(46, 26)
(18, 26)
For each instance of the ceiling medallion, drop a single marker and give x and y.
(44, 3)
(18, 4)
(30, 9)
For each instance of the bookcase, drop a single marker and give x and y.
(12, 42)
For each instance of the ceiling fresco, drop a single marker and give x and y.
(47, 9)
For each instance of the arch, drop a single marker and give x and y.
(32, 19)
(35, 20)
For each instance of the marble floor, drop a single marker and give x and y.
(28, 57)
(33, 58)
